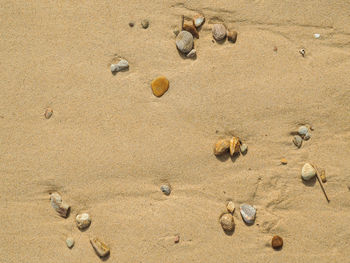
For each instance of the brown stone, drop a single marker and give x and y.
(48, 113)
(192, 29)
(234, 145)
(232, 36)
(159, 86)
(221, 146)
(277, 242)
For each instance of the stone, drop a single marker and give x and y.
(121, 65)
(192, 54)
(307, 136)
(317, 36)
(83, 220)
(227, 222)
(308, 172)
(159, 86)
(234, 145)
(248, 213)
(221, 146)
(145, 23)
(243, 148)
(177, 239)
(165, 189)
(184, 42)
(70, 242)
(230, 207)
(131, 24)
(277, 242)
(297, 140)
(284, 161)
(56, 202)
(100, 248)
(232, 36)
(219, 32)
(302, 52)
(198, 20)
(48, 113)
(323, 175)
(191, 28)
(303, 130)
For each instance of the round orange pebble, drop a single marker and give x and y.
(159, 86)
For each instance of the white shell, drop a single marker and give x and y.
(192, 53)
(121, 65)
(219, 31)
(70, 242)
(308, 172)
(83, 220)
(184, 41)
(248, 213)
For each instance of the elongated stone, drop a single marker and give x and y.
(100, 248)
(56, 202)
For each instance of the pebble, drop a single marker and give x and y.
(232, 36)
(177, 239)
(100, 248)
(184, 41)
(234, 145)
(317, 36)
(83, 220)
(221, 146)
(191, 28)
(277, 242)
(284, 161)
(323, 176)
(131, 24)
(56, 202)
(219, 32)
(308, 172)
(192, 53)
(48, 113)
(244, 148)
(230, 207)
(307, 136)
(159, 86)
(198, 20)
(302, 52)
(145, 23)
(227, 222)
(297, 140)
(165, 189)
(303, 130)
(248, 213)
(121, 65)
(70, 242)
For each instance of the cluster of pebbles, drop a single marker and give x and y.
(248, 214)
(220, 32)
(83, 221)
(302, 134)
(233, 145)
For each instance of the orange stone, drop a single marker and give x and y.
(192, 29)
(277, 242)
(284, 161)
(159, 86)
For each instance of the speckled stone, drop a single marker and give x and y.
(227, 222)
(165, 189)
(248, 213)
(219, 31)
(83, 220)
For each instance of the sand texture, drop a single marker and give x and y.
(110, 143)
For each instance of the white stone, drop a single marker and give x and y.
(83, 220)
(244, 148)
(303, 130)
(70, 242)
(191, 54)
(308, 172)
(121, 65)
(317, 36)
(248, 213)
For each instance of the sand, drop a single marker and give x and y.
(111, 143)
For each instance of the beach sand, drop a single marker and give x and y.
(110, 143)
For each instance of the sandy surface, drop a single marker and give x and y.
(110, 143)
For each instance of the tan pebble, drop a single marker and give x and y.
(227, 222)
(284, 161)
(191, 28)
(198, 20)
(219, 31)
(277, 242)
(232, 36)
(230, 207)
(159, 86)
(308, 172)
(177, 239)
(323, 175)
(56, 202)
(48, 113)
(100, 248)
(221, 146)
(234, 145)
(83, 220)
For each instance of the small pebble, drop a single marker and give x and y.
(70, 242)
(121, 65)
(56, 202)
(307, 136)
(302, 52)
(275, 49)
(177, 239)
(165, 189)
(219, 31)
(308, 172)
(221, 146)
(230, 207)
(83, 220)
(227, 222)
(284, 161)
(191, 28)
(248, 213)
(323, 176)
(159, 85)
(297, 140)
(317, 36)
(234, 145)
(131, 24)
(277, 242)
(48, 113)
(145, 23)
(303, 130)
(243, 148)
(198, 20)
(232, 36)
(192, 53)
(184, 41)
(100, 248)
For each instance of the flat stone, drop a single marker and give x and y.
(159, 86)
(83, 220)
(219, 31)
(70, 242)
(308, 172)
(297, 140)
(248, 213)
(121, 65)
(100, 248)
(61, 207)
(184, 42)
(165, 189)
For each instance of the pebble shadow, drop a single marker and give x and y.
(230, 233)
(221, 42)
(105, 258)
(123, 70)
(223, 157)
(310, 182)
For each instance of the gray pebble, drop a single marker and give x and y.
(192, 53)
(165, 189)
(307, 136)
(297, 140)
(303, 130)
(121, 65)
(248, 213)
(243, 148)
(70, 242)
(145, 23)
